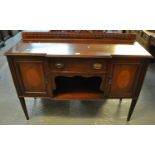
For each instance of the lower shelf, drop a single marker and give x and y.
(78, 87)
(79, 95)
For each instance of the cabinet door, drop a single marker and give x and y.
(32, 76)
(124, 79)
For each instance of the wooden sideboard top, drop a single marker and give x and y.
(79, 50)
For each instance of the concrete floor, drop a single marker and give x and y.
(72, 112)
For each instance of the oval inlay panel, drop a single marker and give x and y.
(33, 78)
(123, 79)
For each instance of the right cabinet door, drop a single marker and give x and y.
(124, 79)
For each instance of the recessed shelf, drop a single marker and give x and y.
(79, 95)
(78, 87)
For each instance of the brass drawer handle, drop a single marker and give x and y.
(97, 66)
(59, 65)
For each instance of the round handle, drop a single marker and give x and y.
(59, 65)
(97, 66)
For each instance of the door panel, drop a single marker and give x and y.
(124, 80)
(31, 74)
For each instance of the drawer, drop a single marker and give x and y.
(78, 65)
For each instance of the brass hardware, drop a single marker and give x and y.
(97, 66)
(59, 65)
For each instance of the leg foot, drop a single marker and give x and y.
(120, 101)
(22, 101)
(132, 106)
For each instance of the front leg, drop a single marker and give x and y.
(132, 107)
(22, 101)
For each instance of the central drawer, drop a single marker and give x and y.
(77, 65)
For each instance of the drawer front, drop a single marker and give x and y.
(77, 65)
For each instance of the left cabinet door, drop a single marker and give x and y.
(32, 76)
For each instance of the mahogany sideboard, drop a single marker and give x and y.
(74, 70)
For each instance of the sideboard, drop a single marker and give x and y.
(87, 70)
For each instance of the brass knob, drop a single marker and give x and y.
(97, 66)
(59, 65)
